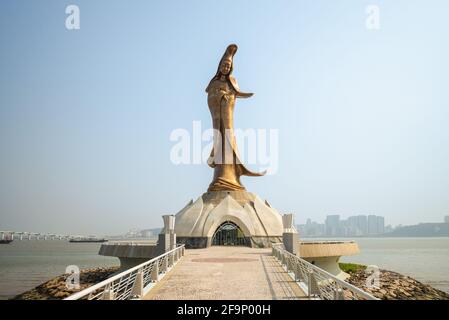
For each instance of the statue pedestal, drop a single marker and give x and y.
(197, 223)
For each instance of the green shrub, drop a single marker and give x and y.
(351, 267)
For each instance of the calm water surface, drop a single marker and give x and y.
(26, 264)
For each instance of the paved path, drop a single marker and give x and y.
(225, 273)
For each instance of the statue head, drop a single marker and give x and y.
(225, 70)
(226, 63)
(225, 67)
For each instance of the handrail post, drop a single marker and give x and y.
(137, 290)
(312, 285)
(309, 283)
(108, 295)
(338, 294)
(155, 272)
(170, 259)
(164, 264)
(297, 271)
(289, 265)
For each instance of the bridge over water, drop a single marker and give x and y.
(224, 273)
(25, 235)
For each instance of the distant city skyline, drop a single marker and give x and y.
(303, 220)
(334, 226)
(358, 225)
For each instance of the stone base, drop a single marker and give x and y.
(196, 224)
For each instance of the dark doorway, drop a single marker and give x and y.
(229, 234)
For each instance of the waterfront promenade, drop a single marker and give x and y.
(224, 273)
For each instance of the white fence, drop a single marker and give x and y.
(133, 283)
(317, 282)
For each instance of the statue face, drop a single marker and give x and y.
(225, 67)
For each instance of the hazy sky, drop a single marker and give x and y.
(86, 115)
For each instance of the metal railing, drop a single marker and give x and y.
(133, 283)
(316, 282)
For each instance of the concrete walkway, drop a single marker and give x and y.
(225, 273)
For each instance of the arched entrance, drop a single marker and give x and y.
(229, 234)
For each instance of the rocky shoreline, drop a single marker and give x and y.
(56, 289)
(394, 286)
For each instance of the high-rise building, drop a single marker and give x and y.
(380, 225)
(311, 229)
(372, 224)
(446, 219)
(332, 225)
(362, 224)
(352, 227)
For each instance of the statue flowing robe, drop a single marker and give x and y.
(222, 93)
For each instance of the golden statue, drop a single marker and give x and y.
(222, 92)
